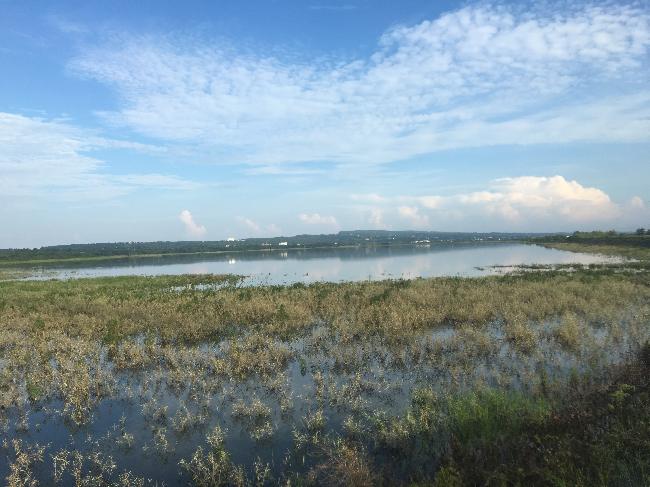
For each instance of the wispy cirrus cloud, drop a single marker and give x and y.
(482, 75)
(335, 8)
(48, 156)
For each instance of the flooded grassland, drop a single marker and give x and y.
(536, 378)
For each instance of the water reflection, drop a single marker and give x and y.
(335, 264)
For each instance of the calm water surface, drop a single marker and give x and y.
(335, 265)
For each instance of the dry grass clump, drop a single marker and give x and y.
(213, 467)
(315, 421)
(256, 416)
(570, 332)
(253, 354)
(472, 343)
(345, 464)
(89, 469)
(521, 335)
(131, 355)
(185, 419)
(21, 469)
(80, 379)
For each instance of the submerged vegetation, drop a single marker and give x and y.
(530, 378)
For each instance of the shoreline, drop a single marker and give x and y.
(102, 258)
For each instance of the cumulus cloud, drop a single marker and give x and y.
(413, 216)
(192, 228)
(481, 75)
(317, 219)
(250, 224)
(530, 202)
(637, 203)
(546, 196)
(376, 218)
(257, 228)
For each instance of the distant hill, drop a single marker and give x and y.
(343, 238)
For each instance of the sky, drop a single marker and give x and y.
(160, 120)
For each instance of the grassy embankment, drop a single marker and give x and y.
(630, 246)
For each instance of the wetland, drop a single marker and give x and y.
(537, 377)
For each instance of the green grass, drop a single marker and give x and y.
(34, 391)
(596, 436)
(485, 415)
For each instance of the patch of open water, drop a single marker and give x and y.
(336, 265)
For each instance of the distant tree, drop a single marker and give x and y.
(640, 231)
(647, 232)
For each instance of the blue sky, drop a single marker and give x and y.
(204, 120)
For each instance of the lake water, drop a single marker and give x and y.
(335, 265)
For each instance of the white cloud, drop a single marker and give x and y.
(481, 75)
(376, 218)
(41, 157)
(637, 203)
(193, 228)
(66, 25)
(259, 229)
(530, 202)
(250, 224)
(413, 216)
(369, 197)
(317, 219)
(160, 181)
(543, 197)
(430, 202)
(335, 8)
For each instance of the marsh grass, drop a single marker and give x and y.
(379, 381)
(113, 309)
(483, 415)
(597, 435)
(345, 464)
(213, 468)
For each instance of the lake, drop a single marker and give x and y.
(335, 264)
